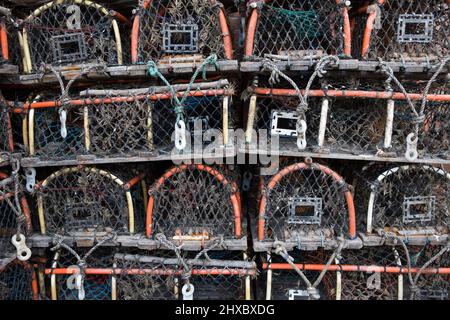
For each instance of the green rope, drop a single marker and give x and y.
(152, 70)
(306, 23)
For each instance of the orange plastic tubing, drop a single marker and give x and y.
(162, 272)
(251, 30)
(133, 181)
(347, 32)
(97, 101)
(4, 41)
(354, 268)
(299, 166)
(134, 39)
(234, 197)
(352, 94)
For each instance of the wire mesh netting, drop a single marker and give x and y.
(132, 122)
(406, 199)
(72, 31)
(284, 283)
(195, 202)
(182, 27)
(162, 275)
(304, 200)
(429, 286)
(16, 282)
(370, 284)
(296, 29)
(404, 31)
(87, 200)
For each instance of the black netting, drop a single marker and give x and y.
(298, 29)
(369, 285)
(192, 201)
(65, 32)
(168, 28)
(407, 31)
(160, 275)
(6, 142)
(16, 282)
(82, 201)
(429, 286)
(306, 200)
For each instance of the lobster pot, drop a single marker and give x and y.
(222, 276)
(364, 275)
(297, 30)
(407, 199)
(130, 122)
(180, 31)
(71, 32)
(16, 282)
(303, 201)
(98, 281)
(433, 285)
(86, 200)
(279, 281)
(347, 119)
(402, 31)
(6, 136)
(194, 203)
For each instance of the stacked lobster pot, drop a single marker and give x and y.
(103, 230)
(178, 35)
(134, 124)
(70, 35)
(193, 246)
(362, 181)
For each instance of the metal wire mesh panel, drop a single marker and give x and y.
(304, 200)
(70, 32)
(429, 285)
(405, 199)
(298, 30)
(370, 284)
(97, 282)
(163, 276)
(87, 200)
(189, 29)
(194, 202)
(16, 282)
(47, 142)
(279, 281)
(404, 31)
